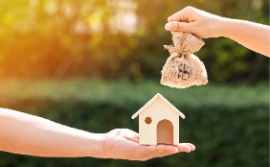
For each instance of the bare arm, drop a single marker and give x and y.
(252, 35)
(249, 34)
(22, 133)
(27, 134)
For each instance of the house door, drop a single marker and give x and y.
(165, 132)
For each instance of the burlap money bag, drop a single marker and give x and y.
(183, 69)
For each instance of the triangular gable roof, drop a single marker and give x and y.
(152, 100)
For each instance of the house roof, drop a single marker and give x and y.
(154, 99)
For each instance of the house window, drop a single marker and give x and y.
(148, 120)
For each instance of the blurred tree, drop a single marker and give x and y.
(116, 38)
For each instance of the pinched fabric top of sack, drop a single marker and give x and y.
(184, 43)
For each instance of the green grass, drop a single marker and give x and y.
(95, 91)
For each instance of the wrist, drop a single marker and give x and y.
(221, 26)
(227, 27)
(96, 146)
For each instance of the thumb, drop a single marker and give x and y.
(178, 26)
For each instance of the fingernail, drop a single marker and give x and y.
(168, 26)
(193, 148)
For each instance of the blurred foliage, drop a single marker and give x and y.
(229, 125)
(116, 38)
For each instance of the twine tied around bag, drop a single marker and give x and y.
(183, 69)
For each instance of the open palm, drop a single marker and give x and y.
(124, 144)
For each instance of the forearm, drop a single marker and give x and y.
(27, 134)
(252, 35)
(249, 34)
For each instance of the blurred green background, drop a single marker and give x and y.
(91, 64)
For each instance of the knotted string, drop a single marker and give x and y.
(184, 44)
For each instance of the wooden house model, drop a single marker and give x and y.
(158, 122)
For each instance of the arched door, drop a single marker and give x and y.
(165, 132)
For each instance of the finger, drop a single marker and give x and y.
(149, 152)
(128, 134)
(183, 15)
(133, 137)
(159, 151)
(185, 147)
(162, 150)
(178, 26)
(176, 16)
(190, 145)
(169, 149)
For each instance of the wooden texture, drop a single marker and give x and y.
(158, 122)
